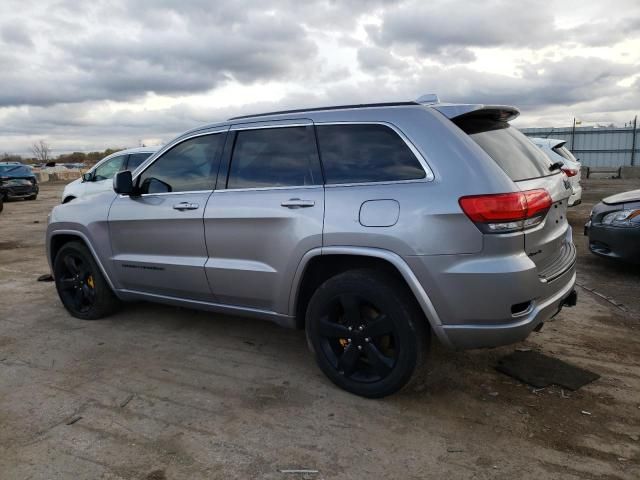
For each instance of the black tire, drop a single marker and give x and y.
(82, 288)
(381, 357)
(1, 203)
(32, 197)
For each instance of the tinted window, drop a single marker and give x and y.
(516, 155)
(109, 168)
(136, 159)
(189, 166)
(365, 153)
(274, 157)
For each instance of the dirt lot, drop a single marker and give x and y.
(159, 392)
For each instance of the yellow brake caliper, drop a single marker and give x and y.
(90, 282)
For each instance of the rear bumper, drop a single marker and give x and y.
(493, 335)
(489, 301)
(621, 243)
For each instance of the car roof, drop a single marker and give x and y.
(450, 110)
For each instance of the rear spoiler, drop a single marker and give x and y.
(452, 111)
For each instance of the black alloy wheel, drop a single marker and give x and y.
(358, 340)
(76, 284)
(367, 332)
(82, 288)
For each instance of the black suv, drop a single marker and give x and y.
(17, 181)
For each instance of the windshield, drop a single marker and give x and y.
(509, 148)
(15, 170)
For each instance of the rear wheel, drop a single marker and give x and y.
(32, 197)
(81, 286)
(366, 332)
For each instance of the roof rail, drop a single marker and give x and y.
(320, 109)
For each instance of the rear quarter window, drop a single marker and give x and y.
(510, 149)
(362, 153)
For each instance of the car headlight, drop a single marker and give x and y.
(623, 218)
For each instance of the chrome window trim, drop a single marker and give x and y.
(190, 192)
(429, 175)
(254, 189)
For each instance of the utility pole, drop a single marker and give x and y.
(573, 134)
(633, 141)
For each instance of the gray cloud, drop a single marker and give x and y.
(446, 31)
(13, 34)
(376, 59)
(190, 52)
(76, 72)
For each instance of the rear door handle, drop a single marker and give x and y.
(298, 203)
(186, 206)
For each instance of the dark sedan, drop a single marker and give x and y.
(18, 181)
(614, 227)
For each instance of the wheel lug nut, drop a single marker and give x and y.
(359, 347)
(361, 328)
(350, 328)
(367, 339)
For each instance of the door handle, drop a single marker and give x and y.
(298, 203)
(186, 206)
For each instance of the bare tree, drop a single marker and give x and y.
(41, 151)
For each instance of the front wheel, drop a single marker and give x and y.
(366, 332)
(32, 197)
(82, 288)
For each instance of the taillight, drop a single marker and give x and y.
(507, 212)
(569, 172)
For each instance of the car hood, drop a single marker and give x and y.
(624, 197)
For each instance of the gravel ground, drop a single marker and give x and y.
(158, 392)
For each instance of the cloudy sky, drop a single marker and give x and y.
(87, 75)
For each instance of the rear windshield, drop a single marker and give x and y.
(514, 152)
(565, 153)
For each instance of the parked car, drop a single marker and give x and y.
(557, 152)
(18, 181)
(614, 227)
(98, 178)
(371, 226)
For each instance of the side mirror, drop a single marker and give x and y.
(87, 177)
(123, 183)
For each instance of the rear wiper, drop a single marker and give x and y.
(556, 166)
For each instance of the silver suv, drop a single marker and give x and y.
(373, 227)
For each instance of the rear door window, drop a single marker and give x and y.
(275, 157)
(509, 148)
(365, 153)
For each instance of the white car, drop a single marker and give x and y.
(557, 152)
(99, 178)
